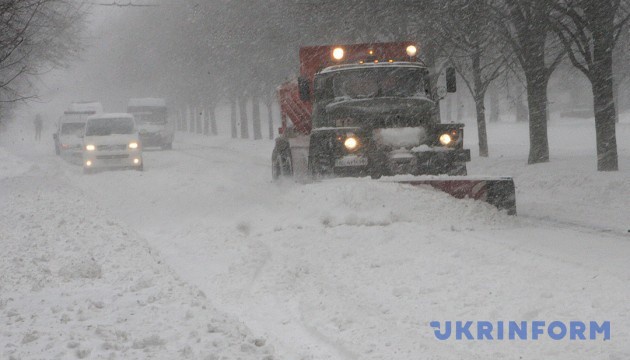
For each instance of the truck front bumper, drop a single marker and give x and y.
(430, 162)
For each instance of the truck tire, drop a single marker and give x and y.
(168, 146)
(281, 161)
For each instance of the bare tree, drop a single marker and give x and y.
(35, 35)
(589, 30)
(527, 29)
(475, 49)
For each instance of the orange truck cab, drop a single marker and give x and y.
(365, 109)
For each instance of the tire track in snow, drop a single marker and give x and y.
(326, 346)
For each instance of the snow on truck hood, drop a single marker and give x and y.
(401, 137)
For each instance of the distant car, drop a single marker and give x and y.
(154, 126)
(71, 126)
(111, 141)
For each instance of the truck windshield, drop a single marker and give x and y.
(104, 127)
(75, 129)
(379, 82)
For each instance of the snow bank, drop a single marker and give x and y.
(365, 202)
(77, 283)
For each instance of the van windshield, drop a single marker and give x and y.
(75, 129)
(104, 127)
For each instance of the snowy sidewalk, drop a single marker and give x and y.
(76, 283)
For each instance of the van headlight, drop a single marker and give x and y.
(133, 145)
(90, 147)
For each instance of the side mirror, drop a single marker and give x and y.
(304, 88)
(451, 80)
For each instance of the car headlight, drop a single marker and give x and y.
(351, 143)
(133, 145)
(446, 139)
(90, 147)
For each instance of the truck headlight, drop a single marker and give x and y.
(351, 143)
(90, 147)
(133, 145)
(338, 53)
(445, 139)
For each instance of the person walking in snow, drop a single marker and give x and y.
(38, 127)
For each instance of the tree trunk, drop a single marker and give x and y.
(480, 108)
(198, 116)
(256, 118)
(604, 107)
(270, 119)
(206, 122)
(449, 109)
(537, 104)
(495, 109)
(616, 98)
(481, 126)
(521, 108)
(213, 119)
(233, 130)
(242, 109)
(191, 120)
(460, 108)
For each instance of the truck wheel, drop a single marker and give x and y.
(375, 175)
(281, 163)
(168, 146)
(275, 165)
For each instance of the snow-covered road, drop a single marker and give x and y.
(356, 269)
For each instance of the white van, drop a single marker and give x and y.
(71, 126)
(111, 141)
(154, 126)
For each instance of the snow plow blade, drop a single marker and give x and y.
(499, 192)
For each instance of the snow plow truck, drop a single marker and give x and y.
(370, 110)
